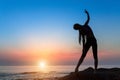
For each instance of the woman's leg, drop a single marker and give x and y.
(94, 49)
(84, 52)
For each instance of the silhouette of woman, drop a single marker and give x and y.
(88, 39)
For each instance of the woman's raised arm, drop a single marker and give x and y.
(88, 18)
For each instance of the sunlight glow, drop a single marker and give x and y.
(42, 64)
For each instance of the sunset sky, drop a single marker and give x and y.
(35, 30)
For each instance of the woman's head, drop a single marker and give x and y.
(77, 26)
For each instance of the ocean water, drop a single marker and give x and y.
(35, 72)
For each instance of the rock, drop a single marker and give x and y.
(89, 74)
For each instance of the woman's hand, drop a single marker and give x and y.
(86, 11)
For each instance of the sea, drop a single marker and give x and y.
(36, 73)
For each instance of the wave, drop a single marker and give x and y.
(31, 75)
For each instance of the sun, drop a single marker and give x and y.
(42, 64)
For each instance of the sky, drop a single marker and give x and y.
(35, 30)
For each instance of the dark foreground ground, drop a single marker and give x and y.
(89, 74)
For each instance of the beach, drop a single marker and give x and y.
(33, 73)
